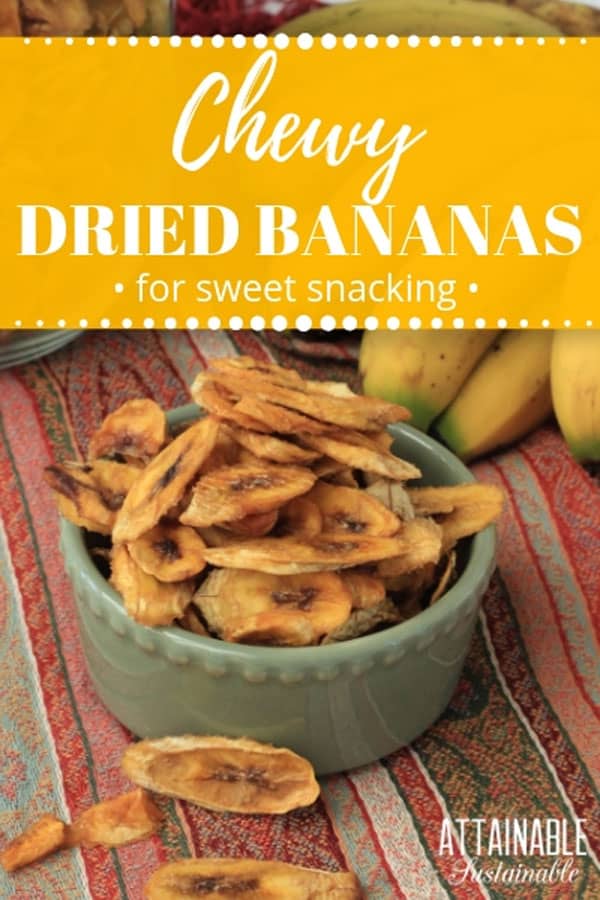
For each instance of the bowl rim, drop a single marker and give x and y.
(461, 597)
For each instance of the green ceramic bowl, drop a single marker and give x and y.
(340, 706)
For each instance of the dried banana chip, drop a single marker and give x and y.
(359, 452)
(85, 495)
(252, 526)
(236, 775)
(365, 621)
(191, 621)
(240, 364)
(300, 517)
(170, 552)
(255, 607)
(115, 822)
(273, 628)
(217, 401)
(366, 590)
(345, 477)
(137, 429)
(348, 510)
(226, 452)
(146, 599)
(383, 439)
(278, 418)
(164, 481)
(484, 508)
(422, 545)
(433, 501)
(39, 840)
(355, 411)
(273, 449)
(217, 537)
(248, 878)
(394, 495)
(239, 491)
(445, 579)
(291, 556)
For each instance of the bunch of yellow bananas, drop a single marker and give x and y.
(481, 390)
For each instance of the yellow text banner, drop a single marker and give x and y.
(448, 184)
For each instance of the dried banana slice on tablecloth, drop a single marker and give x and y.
(169, 551)
(291, 556)
(163, 482)
(147, 600)
(348, 510)
(255, 607)
(301, 518)
(244, 490)
(225, 879)
(136, 430)
(90, 495)
(359, 452)
(236, 775)
(422, 545)
(39, 840)
(115, 822)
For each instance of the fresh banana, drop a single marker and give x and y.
(423, 17)
(506, 396)
(422, 370)
(575, 377)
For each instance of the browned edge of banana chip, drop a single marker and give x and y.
(227, 878)
(137, 429)
(223, 774)
(164, 480)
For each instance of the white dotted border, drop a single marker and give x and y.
(306, 41)
(304, 322)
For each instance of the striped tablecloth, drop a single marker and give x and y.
(521, 737)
